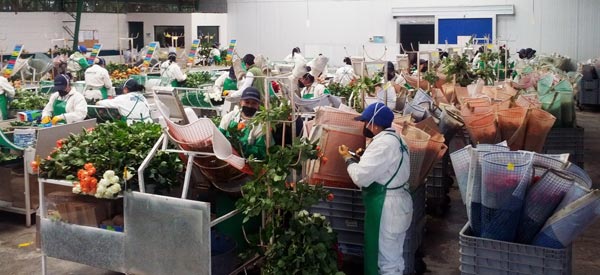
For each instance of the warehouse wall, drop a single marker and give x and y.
(273, 28)
(35, 29)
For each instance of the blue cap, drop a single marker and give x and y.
(61, 82)
(378, 113)
(251, 93)
(82, 48)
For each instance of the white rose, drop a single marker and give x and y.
(316, 215)
(115, 188)
(109, 174)
(329, 230)
(103, 183)
(302, 213)
(114, 180)
(101, 190)
(77, 189)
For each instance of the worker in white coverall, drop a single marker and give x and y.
(97, 82)
(7, 92)
(382, 173)
(170, 72)
(65, 105)
(345, 74)
(131, 104)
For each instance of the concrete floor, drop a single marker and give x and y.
(440, 242)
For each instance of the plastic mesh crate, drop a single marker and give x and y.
(485, 256)
(351, 244)
(588, 96)
(589, 84)
(566, 140)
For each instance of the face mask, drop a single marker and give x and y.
(248, 111)
(62, 93)
(368, 133)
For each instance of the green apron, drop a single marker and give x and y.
(83, 63)
(258, 149)
(175, 83)
(373, 199)
(229, 84)
(59, 107)
(4, 106)
(104, 92)
(217, 59)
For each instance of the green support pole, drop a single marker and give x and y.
(77, 23)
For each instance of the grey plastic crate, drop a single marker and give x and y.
(485, 256)
(566, 140)
(351, 244)
(589, 84)
(588, 97)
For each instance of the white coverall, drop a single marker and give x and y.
(378, 164)
(295, 58)
(76, 109)
(170, 71)
(97, 77)
(132, 105)
(344, 75)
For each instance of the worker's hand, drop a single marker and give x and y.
(344, 152)
(46, 120)
(360, 152)
(57, 119)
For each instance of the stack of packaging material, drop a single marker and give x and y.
(524, 197)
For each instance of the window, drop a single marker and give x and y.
(208, 34)
(163, 34)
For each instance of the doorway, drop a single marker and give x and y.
(415, 34)
(137, 30)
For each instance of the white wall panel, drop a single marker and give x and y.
(34, 30)
(588, 40)
(559, 27)
(566, 27)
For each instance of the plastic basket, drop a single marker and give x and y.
(417, 141)
(483, 129)
(336, 117)
(417, 111)
(485, 256)
(461, 161)
(539, 124)
(541, 201)
(510, 120)
(505, 177)
(567, 223)
(334, 172)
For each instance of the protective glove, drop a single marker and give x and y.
(46, 120)
(344, 152)
(56, 119)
